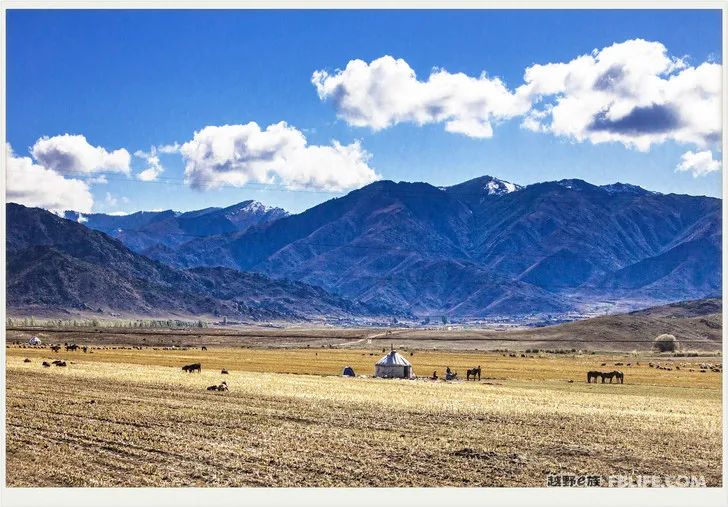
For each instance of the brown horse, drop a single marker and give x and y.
(593, 375)
(72, 347)
(473, 372)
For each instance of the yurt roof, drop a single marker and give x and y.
(393, 359)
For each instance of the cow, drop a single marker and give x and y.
(189, 368)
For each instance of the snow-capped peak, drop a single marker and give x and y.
(500, 187)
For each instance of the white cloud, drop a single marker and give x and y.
(99, 180)
(386, 92)
(632, 92)
(238, 154)
(72, 154)
(33, 185)
(699, 163)
(110, 200)
(169, 148)
(155, 168)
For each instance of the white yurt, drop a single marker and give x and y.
(34, 341)
(393, 365)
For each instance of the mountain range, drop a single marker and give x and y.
(147, 229)
(482, 248)
(56, 266)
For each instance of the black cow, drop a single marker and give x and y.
(189, 368)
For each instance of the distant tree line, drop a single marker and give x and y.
(116, 323)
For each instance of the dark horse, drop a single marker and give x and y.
(72, 347)
(613, 374)
(473, 372)
(189, 368)
(593, 375)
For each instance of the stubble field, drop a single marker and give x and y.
(130, 417)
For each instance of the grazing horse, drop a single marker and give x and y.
(189, 368)
(55, 348)
(593, 375)
(473, 372)
(612, 374)
(204, 348)
(72, 347)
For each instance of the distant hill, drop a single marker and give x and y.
(697, 325)
(55, 266)
(485, 247)
(159, 229)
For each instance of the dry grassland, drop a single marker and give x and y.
(133, 418)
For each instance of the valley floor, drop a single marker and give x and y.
(129, 417)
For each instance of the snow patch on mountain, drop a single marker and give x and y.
(500, 187)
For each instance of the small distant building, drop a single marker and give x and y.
(34, 341)
(348, 372)
(393, 365)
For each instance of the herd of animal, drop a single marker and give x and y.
(197, 367)
(594, 375)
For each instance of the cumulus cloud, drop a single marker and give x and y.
(386, 92)
(155, 168)
(34, 185)
(72, 154)
(238, 154)
(699, 163)
(632, 92)
(168, 148)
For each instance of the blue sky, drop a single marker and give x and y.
(136, 79)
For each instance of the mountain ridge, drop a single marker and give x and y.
(534, 243)
(480, 248)
(56, 265)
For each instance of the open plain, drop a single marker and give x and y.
(127, 415)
